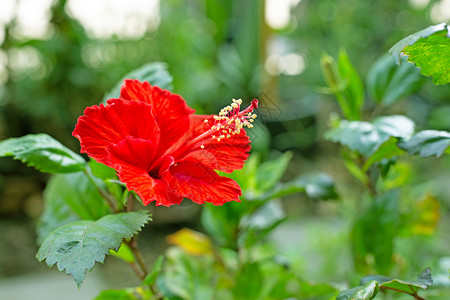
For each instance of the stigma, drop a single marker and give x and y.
(231, 120)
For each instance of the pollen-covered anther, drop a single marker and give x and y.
(231, 119)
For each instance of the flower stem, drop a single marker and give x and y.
(104, 194)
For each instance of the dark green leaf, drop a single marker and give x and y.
(137, 293)
(397, 49)
(75, 247)
(69, 197)
(42, 152)
(386, 150)
(155, 73)
(366, 292)
(387, 82)
(423, 281)
(427, 143)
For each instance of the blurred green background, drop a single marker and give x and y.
(57, 57)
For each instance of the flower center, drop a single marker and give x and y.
(230, 121)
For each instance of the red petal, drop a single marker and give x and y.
(201, 184)
(102, 126)
(230, 153)
(170, 110)
(132, 158)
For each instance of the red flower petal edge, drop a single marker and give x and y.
(164, 152)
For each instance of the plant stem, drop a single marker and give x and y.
(138, 271)
(105, 195)
(415, 295)
(139, 258)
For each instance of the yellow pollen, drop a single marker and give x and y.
(202, 146)
(206, 121)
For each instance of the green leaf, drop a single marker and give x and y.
(155, 73)
(397, 49)
(343, 81)
(75, 247)
(270, 172)
(136, 293)
(249, 282)
(187, 277)
(427, 143)
(124, 253)
(382, 215)
(365, 137)
(69, 197)
(388, 83)
(354, 89)
(42, 152)
(366, 292)
(150, 279)
(411, 287)
(386, 150)
(432, 56)
(316, 186)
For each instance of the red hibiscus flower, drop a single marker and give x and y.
(164, 152)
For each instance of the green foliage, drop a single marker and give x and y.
(155, 73)
(137, 293)
(365, 292)
(428, 49)
(370, 285)
(385, 151)
(235, 223)
(388, 83)
(365, 137)
(150, 279)
(423, 281)
(75, 247)
(374, 232)
(69, 197)
(43, 153)
(344, 82)
(427, 143)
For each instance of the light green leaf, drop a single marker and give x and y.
(155, 73)
(397, 49)
(388, 83)
(69, 197)
(386, 150)
(366, 292)
(427, 143)
(124, 253)
(136, 293)
(42, 152)
(75, 247)
(423, 281)
(150, 279)
(432, 56)
(354, 90)
(316, 186)
(270, 172)
(365, 137)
